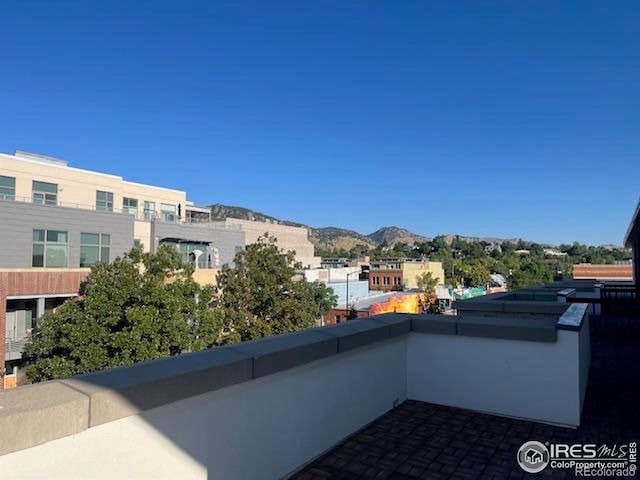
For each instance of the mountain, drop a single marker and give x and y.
(448, 239)
(220, 212)
(335, 238)
(393, 235)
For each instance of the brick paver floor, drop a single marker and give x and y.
(419, 440)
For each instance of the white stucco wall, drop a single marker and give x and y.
(264, 428)
(533, 380)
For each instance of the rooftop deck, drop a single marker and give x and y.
(420, 440)
(391, 396)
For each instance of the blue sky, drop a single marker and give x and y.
(481, 118)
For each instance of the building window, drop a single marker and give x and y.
(149, 210)
(7, 188)
(396, 281)
(50, 249)
(94, 248)
(386, 280)
(104, 201)
(168, 212)
(375, 280)
(130, 205)
(192, 251)
(45, 193)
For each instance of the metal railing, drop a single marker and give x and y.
(137, 214)
(615, 312)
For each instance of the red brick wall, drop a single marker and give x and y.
(381, 274)
(34, 283)
(603, 272)
(330, 318)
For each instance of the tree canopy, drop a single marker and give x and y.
(264, 296)
(144, 306)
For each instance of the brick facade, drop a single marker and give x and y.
(386, 280)
(34, 283)
(339, 315)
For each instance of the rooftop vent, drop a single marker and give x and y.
(41, 158)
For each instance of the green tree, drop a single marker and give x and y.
(427, 286)
(263, 296)
(140, 307)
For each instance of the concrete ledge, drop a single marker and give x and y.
(357, 333)
(399, 323)
(479, 305)
(573, 317)
(40, 413)
(530, 329)
(280, 352)
(440, 324)
(125, 391)
(36, 414)
(538, 307)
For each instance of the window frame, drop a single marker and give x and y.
(149, 209)
(42, 196)
(44, 243)
(103, 246)
(4, 195)
(107, 201)
(127, 206)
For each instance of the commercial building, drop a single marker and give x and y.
(57, 221)
(288, 238)
(401, 274)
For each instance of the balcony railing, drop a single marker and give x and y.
(137, 214)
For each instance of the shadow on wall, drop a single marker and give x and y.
(253, 410)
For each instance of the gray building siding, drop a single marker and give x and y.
(18, 220)
(226, 241)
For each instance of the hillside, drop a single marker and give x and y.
(336, 238)
(393, 235)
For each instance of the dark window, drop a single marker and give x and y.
(94, 248)
(7, 188)
(45, 193)
(104, 201)
(50, 249)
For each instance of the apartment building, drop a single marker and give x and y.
(57, 221)
(396, 274)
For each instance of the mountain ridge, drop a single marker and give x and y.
(338, 238)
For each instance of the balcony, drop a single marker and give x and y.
(163, 217)
(434, 386)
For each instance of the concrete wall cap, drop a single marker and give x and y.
(125, 391)
(357, 333)
(530, 329)
(36, 414)
(399, 323)
(573, 317)
(440, 324)
(280, 352)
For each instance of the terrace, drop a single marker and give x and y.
(266, 409)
